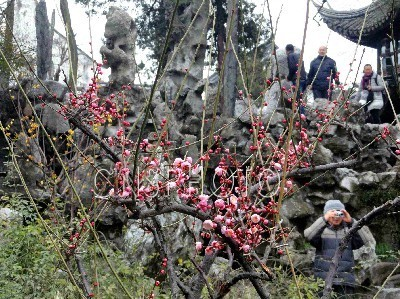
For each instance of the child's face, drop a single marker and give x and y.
(336, 221)
(333, 219)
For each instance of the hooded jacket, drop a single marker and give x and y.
(326, 238)
(326, 70)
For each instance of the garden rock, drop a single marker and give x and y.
(52, 120)
(120, 33)
(51, 91)
(296, 207)
(8, 215)
(380, 271)
(322, 155)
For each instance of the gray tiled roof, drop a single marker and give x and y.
(349, 23)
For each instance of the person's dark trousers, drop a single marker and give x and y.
(320, 93)
(375, 118)
(341, 291)
(302, 88)
(303, 85)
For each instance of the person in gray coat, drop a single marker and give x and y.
(371, 83)
(325, 235)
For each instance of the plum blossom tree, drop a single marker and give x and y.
(235, 208)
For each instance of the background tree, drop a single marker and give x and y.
(8, 27)
(44, 35)
(61, 52)
(230, 65)
(72, 47)
(17, 52)
(254, 48)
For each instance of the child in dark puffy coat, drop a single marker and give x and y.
(325, 235)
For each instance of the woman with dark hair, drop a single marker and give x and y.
(370, 93)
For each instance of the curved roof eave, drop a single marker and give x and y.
(349, 23)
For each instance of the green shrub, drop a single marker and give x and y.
(376, 196)
(284, 285)
(386, 253)
(31, 268)
(28, 269)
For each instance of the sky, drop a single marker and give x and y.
(290, 29)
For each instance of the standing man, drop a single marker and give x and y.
(325, 235)
(322, 73)
(293, 64)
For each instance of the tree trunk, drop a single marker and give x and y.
(52, 24)
(72, 47)
(43, 37)
(221, 33)
(231, 64)
(8, 43)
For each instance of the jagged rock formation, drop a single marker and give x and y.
(120, 33)
(186, 61)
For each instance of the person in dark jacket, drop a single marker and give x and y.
(325, 235)
(293, 65)
(322, 73)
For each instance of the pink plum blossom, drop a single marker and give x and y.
(220, 204)
(220, 171)
(171, 185)
(208, 224)
(289, 184)
(218, 218)
(196, 169)
(203, 197)
(255, 218)
(223, 229)
(199, 246)
(246, 248)
(209, 250)
(229, 232)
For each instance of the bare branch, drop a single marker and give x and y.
(229, 241)
(225, 288)
(161, 243)
(142, 214)
(89, 133)
(302, 171)
(81, 268)
(198, 283)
